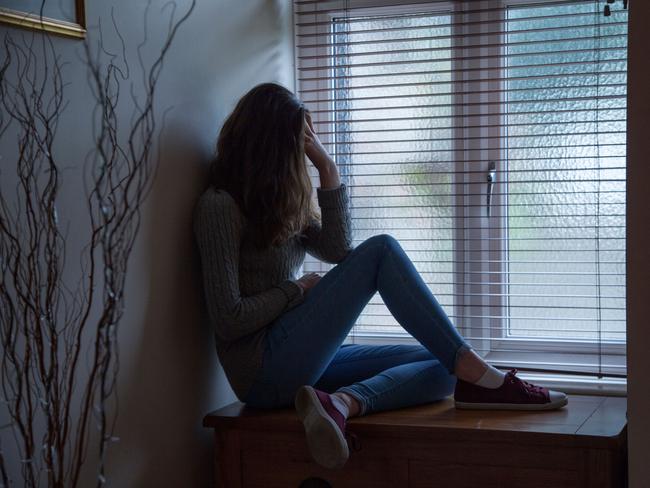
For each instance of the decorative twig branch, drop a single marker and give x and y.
(45, 325)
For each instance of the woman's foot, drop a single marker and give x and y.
(513, 394)
(324, 427)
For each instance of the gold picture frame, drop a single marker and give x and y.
(32, 20)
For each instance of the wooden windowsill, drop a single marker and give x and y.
(596, 419)
(582, 445)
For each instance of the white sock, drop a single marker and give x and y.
(492, 378)
(340, 405)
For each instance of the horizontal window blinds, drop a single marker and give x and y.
(489, 139)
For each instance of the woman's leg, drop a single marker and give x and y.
(354, 363)
(387, 377)
(302, 342)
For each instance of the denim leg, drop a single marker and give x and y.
(413, 305)
(403, 386)
(357, 362)
(387, 377)
(302, 342)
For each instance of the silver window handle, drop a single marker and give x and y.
(491, 180)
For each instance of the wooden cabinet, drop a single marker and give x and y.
(582, 445)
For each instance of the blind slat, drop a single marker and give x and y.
(557, 64)
(454, 116)
(450, 37)
(407, 62)
(412, 39)
(344, 8)
(472, 104)
(429, 83)
(466, 92)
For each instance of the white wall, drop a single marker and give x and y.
(169, 375)
(638, 246)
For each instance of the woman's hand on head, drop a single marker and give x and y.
(308, 281)
(314, 149)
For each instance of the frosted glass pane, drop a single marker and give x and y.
(567, 203)
(401, 185)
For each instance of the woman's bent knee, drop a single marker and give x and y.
(386, 240)
(377, 245)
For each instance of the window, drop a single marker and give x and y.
(489, 139)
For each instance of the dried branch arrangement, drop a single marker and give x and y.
(59, 359)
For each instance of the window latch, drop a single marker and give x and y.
(491, 180)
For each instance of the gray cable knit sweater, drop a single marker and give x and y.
(246, 289)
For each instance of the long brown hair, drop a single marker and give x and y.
(260, 161)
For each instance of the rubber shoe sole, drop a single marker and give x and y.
(326, 442)
(512, 406)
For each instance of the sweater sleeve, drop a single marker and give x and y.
(330, 241)
(218, 226)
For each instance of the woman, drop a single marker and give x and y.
(279, 338)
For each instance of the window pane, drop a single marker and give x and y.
(395, 152)
(566, 163)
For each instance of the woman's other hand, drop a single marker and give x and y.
(318, 155)
(308, 281)
(314, 148)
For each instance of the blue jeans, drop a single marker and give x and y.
(303, 346)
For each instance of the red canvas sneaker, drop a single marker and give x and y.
(324, 427)
(514, 394)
